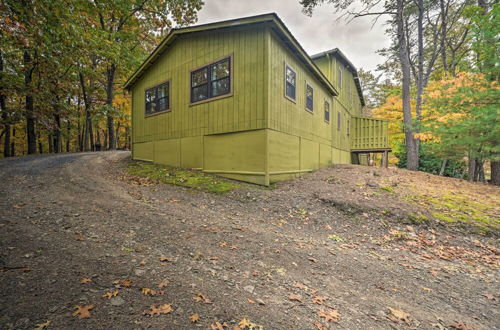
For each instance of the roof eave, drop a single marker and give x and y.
(272, 17)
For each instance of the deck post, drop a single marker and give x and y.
(385, 159)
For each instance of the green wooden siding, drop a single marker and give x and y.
(255, 134)
(368, 133)
(245, 110)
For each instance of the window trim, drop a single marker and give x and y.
(339, 120)
(305, 94)
(169, 109)
(329, 111)
(294, 100)
(231, 80)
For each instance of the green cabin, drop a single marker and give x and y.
(242, 99)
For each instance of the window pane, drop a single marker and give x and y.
(199, 77)
(163, 90)
(309, 97)
(290, 90)
(150, 95)
(148, 108)
(162, 104)
(220, 87)
(290, 76)
(327, 111)
(220, 70)
(199, 93)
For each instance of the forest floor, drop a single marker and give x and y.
(86, 245)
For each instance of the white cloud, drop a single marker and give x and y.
(324, 30)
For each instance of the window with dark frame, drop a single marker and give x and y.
(309, 98)
(290, 82)
(348, 127)
(327, 112)
(211, 81)
(338, 121)
(157, 99)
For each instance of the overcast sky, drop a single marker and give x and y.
(323, 31)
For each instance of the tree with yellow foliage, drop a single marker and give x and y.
(463, 119)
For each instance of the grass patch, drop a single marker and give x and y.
(459, 209)
(181, 177)
(388, 189)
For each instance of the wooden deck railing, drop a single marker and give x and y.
(368, 133)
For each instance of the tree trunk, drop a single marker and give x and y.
(88, 140)
(109, 101)
(420, 52)
(57, 132)
(30, 119)
(411, 145)
(443, 167)
(13, 143)
(68, 137)
(50, 141)
(40, 145)
(444, 27)
(472, 168)
(5, 116)
(480, 172)
(495, 173)
(117, 135)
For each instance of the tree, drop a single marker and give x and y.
(121, 26)
(463, 119)
(398, 19)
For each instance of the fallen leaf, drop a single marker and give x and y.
(426, 289)
(216, 326)
(462, 326)
(110, 295)
(295, 297)
(24, 269)
(143, 262)
(312, 259)
(163, 284)
(397, 315)
(125, 283)
(489, 296)
(200, 297)
(85, 280)
(41, 326)
(300, 285)
(319, 326)
(194, 318)
(243, 324)
(150, 292)
(162, 309)
(165, 259)
(331, 316)
(222, 244)
(233, 247)
(83, 311)
(318, 300)
(251, 301)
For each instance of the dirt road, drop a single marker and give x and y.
(74, 229)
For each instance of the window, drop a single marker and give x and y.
(290, 83)
(338, 121)
(157, 98)
(309, 98)
(327, 112)
(211, 81)
(339, 77)
(348, 127)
